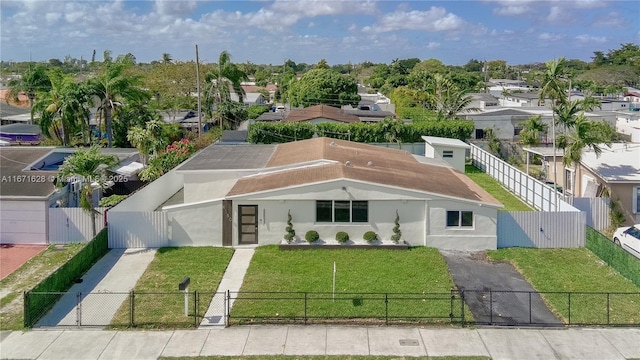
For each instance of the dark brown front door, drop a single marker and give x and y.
(247, 224)
(227, 223)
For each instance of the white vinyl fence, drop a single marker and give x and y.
(72, 225)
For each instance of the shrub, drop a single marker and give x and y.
(397, 234)
(291, 233)
(113, 200)
(370, 236)
(342, 237)
(312, 236)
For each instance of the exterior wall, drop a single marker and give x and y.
(195, 224)
(23, 222)
(152, 195)
(624, 192)
(272, 218)
(457, 161)
(483, 234)
(202, 187)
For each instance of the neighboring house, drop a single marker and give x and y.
(28, 177)
(250, 98)
(21, 134)
(241, 195)
(628, 124)
(522, 99)
(10, 114)
(453, 151)
(505, 122)
(320, 114)
(633, 96)
(368, 112)
(483, 101)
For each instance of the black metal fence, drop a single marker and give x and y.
(468, 307)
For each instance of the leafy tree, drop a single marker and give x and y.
(431, 66)
(34, 80)
(115, 87)
(223, 78)
(533, 127)
(324, 86)
(89, 166)
(322, 64)
(254, 111)
(130, 115)
(148, 139)
(231, 114)
(64, 109)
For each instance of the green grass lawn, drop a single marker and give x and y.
(362, 279)
(26, 277)
(493, 187)
(576, 270)
(157, 300)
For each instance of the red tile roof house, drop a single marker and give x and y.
(241, 195)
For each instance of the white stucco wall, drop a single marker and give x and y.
(23, 222)
(201, 187)
(482, 235)
(198, 224)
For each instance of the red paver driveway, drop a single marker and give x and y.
(13, 256)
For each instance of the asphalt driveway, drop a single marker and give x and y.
(496, 293)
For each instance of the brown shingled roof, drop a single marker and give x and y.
(360, 162)
(320, 112)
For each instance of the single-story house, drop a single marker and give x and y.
(21, 134)
(241, 194)
(368, 112)
(320, 114)
(28, 188)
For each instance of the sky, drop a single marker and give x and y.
(271, 32)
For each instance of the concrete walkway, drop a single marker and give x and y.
(231, 281)
(512, 344)
(103, 289)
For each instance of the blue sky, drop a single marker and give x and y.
(270, 32)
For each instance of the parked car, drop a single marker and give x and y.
(628, 238)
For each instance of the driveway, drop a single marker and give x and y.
(496, 293)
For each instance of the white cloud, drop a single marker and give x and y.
(591, 39)
(611, 20)
(174, 8)
(588, 4)
(52, 18)
(435, 19)
(512, 10)
(550, 37)
(313, 8)
(433, 45)
(558, 14)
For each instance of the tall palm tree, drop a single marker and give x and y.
(223, 78)
(553, 88)
(63, 109)
(30, 83)
(530, 133)
(166, 58)
(113, 87)
(566, 113)
(90, 167)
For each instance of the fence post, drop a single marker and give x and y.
(490, 307)
(131, 308)
(305, 308)
(608, 307)
(227, 310)
(462, 306)
(569, 294)
(386, 308)
(79, 309)
(529, 307)
(195, 308)
(26, 311)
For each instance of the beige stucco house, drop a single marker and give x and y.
(241, 195)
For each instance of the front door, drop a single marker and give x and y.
(247, 224)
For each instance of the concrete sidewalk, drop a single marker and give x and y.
(572, 343)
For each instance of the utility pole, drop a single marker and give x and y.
(198, 89)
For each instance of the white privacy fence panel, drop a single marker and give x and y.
(597, 211)
(533, 192)
(536, 229)
(137, 229)
(73, 225)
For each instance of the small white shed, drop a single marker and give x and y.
(453, 151)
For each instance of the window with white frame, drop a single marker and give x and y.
(636, 199)
(342, 211)
(568, 180)
(459, 218)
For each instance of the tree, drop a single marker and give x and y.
(223, 78)
(166, 59)
(114, 87)
(553, 87)
(90, 167)
(64, 109)
(148, 139)
(533, 127)
(31, 82)
(322, 64)
(324, 86)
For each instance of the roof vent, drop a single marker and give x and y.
(348, 163)
(370, 163)
(332, 143)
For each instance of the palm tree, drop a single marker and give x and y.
(584, 133)
(553, 88)
(566, 113)
(90, 167)
(221, 80)
(113, 87)
(530, 133)
(148, 139)
(166, 58)
(63, 109)
(32, 81)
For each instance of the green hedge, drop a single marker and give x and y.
(623, 262)
(268, 133)
(62, 279)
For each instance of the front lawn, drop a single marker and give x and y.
(26, 278)
(363, 277)
(158, 303)
(493, 187)
(576, 270)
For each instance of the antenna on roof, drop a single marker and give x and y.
(348, 163)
